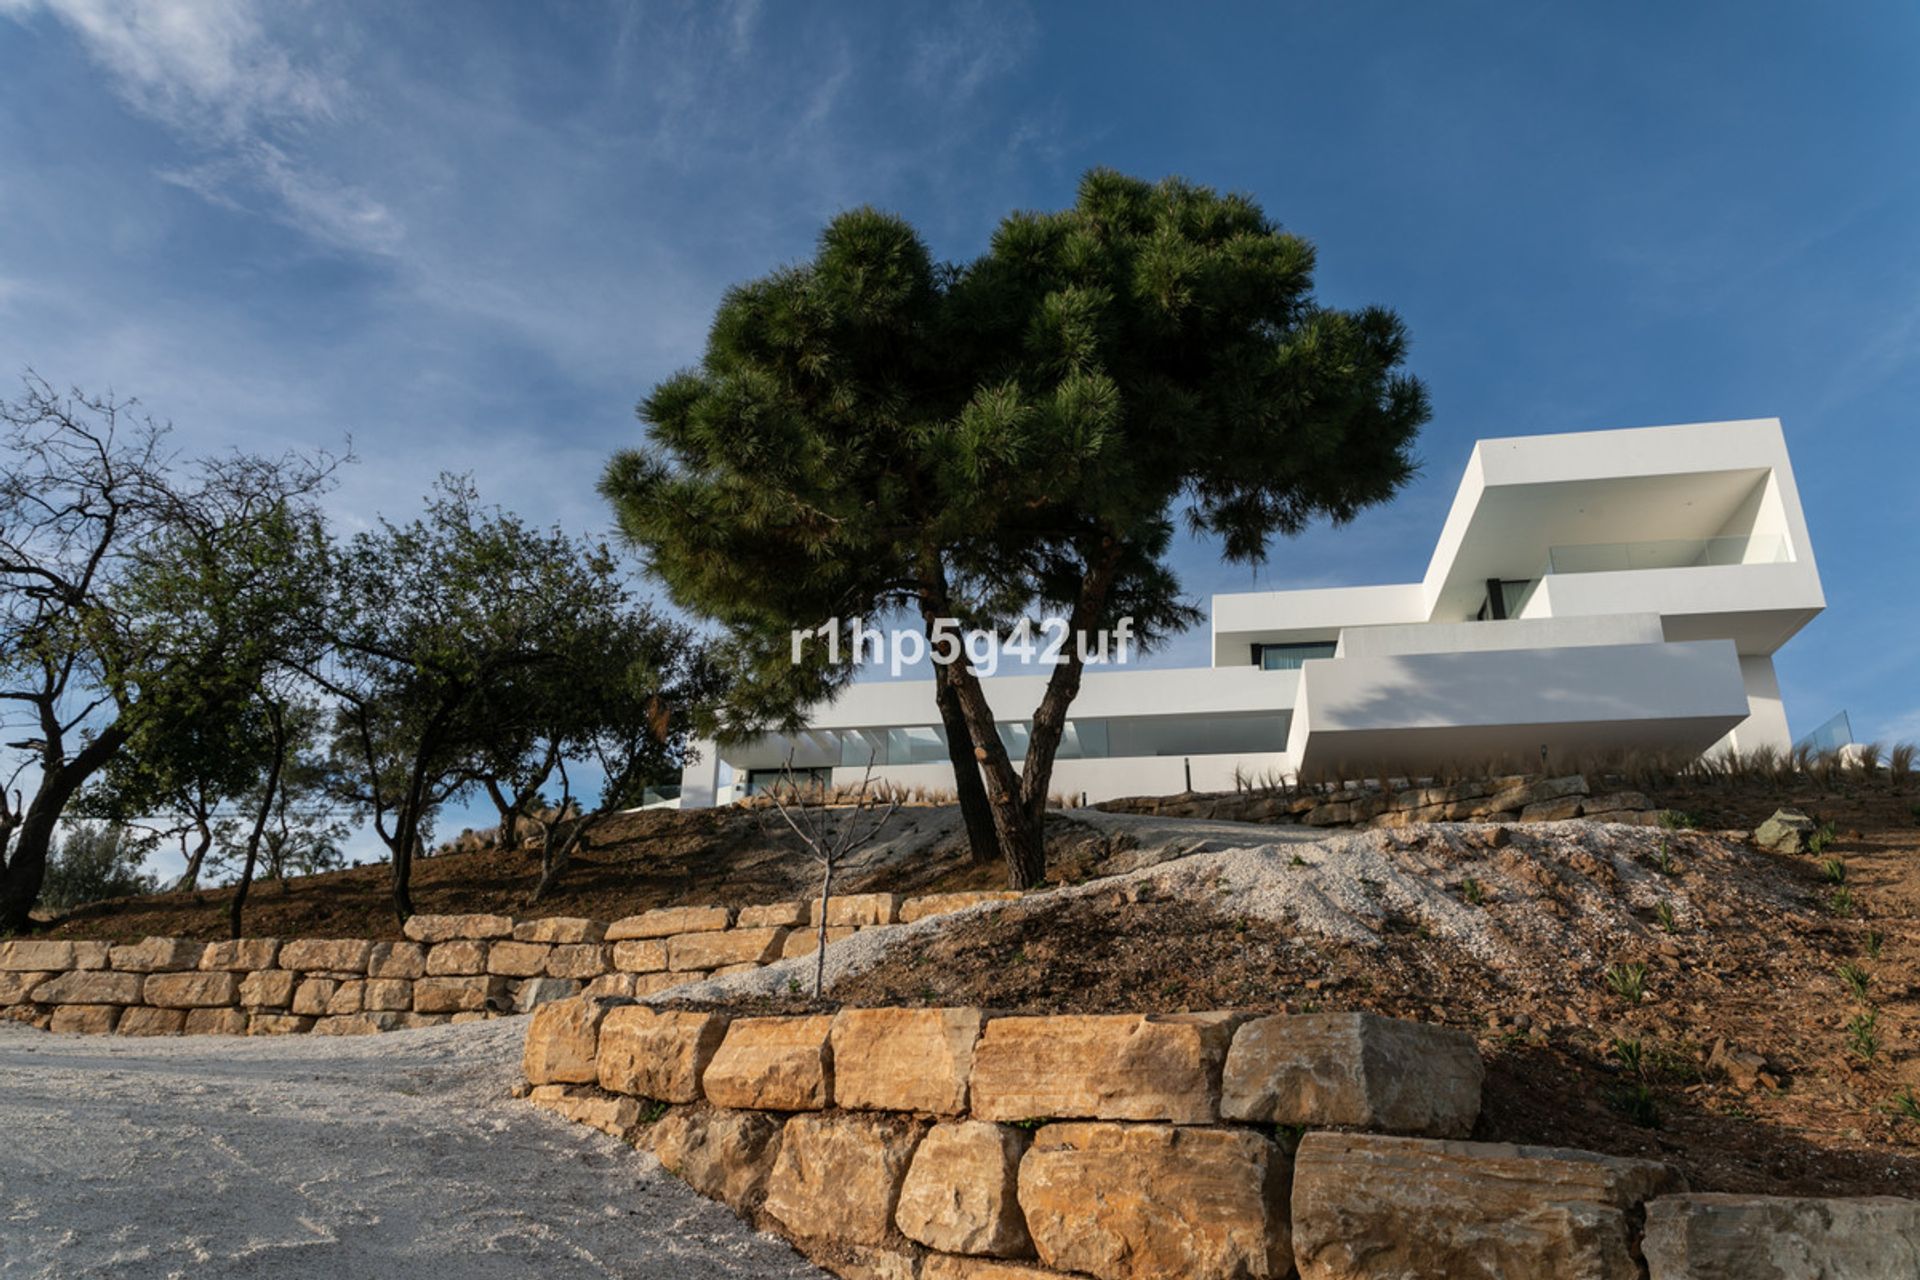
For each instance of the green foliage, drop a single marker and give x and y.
(1472, 891)
(1628, 981)
(1663, 916)
(1863, 1035)
(95, 861)
(1840, 901)
(1677, 820)
(1906, 1105)
(1012, 436)
(1855, 979)
(1663, 860)
(1817, 843)
(1833, 871)
(1631, 1054)
(1873, 942)
(1635, 1101)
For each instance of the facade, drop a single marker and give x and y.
(1589, 592)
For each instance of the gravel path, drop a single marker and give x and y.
(395, 1155)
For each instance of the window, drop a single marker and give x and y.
(1288, 657)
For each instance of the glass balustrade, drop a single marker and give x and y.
(1669, 553)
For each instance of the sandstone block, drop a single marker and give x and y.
(646, 984)
(192, 990)
(664, 922)
(1787, 831)
(1617, 802)
(311, 996)
(939, 904)
(1729, 1237)
(1103, 1066)
(561, 1040)
(904, 1059)
(461, 958)
(773, 915)
(531, 993)
(360, 1024)
(612, 1115)
(961, 1194)
(278, 1024)
(837, 1178)
(611, 984)
(947, 1266)
(513, 959)
(858, 910)
(268, 989)
(457, 995)
(90, 986)
(454, 928)
(773, 1064)
(640, 955)
(326, 955)
(145, 1020)
(157, 955)
(409, 1021)
(1353, 1070)
(85, 1019)
(28, 955)
(728, 1155)
(215, 1022)
(579, 960)
(348, 998)
(804, 942)
(92, 955)
(725, 970)
(562, 929)
(1158, 1202)
(397, 960)
(1556, 810)
(387, 995)
(16, 986)
(1378, 1206)
(654, 1054)
(731, 946)
(241, 955)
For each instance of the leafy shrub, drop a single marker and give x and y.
(95, 860)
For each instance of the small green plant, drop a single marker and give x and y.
(1471, 890)
(1874, 941)
(1031, 1123)
(1637, 1103)
(1663, 860)
(793, 987)
(1840, 901)
(1854, 978)
(1299, 861)
(1632, 1055)
(1677, 819)
(1906, 1105)
(1817, 843)
(652, 1112)
(1863, 1035)
(1628, 981)
(1289, 1135)
(1663, 916)
(1833, 871)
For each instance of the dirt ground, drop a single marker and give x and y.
(1753, 966)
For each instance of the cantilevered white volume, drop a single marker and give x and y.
(1592, 591)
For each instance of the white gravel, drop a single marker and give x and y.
(397, 1155)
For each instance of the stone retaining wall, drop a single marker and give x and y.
(450, 968)
(947, 1144)
(1518, 798)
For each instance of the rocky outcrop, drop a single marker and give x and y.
(1353, 1070)
(838, 1177)
(1728, 1237)
(1103, 1066)
(772, 1064)
(962, 1191)
(904, 1059)
(728, 1155)
(1787, 831)
(655, 1054)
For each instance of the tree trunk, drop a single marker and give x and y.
(1019, 838)
(967, 785)
(508, 838)
(236, 912)
(26, 867)
(190, 878)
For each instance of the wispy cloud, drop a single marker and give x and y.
(210, 72)
(976, 45)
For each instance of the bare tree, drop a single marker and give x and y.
(830, 838)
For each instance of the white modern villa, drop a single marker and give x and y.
(1589, 592)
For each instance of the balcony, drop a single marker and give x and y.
(1671, 553)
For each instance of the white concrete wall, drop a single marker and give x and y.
(1513, 633)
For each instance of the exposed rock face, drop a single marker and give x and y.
(192, 990)
(773, 915)
(157, 955)
(1353, 1069)
(145, 1020)
(713, 949)
(962, 1190)
(561, 1040)
(313, 995)
(1726, 1237)
(27, 955)
(457, 995)
(654, 1054)
(534, 992)
(838, 1177)
(946, 1266)
(728, 1155)
(1158, 1202)
(775, 1064)
(324, 955)
(664, 922)
(449, 928)
(462, 958)
(904, 1059)
(1787, 831)
(586, 1105)
(578, 960)
(559, 929)
(859, 909)
(90, 986)
(85, 1019)
(215, 1022)
(1103, 1066)
(16, 986)
(640, 955)
(240, 955)
(1368, 1206)
(278, 1024)
(514, 959)
(804, 942)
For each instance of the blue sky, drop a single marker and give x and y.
(472, 235)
